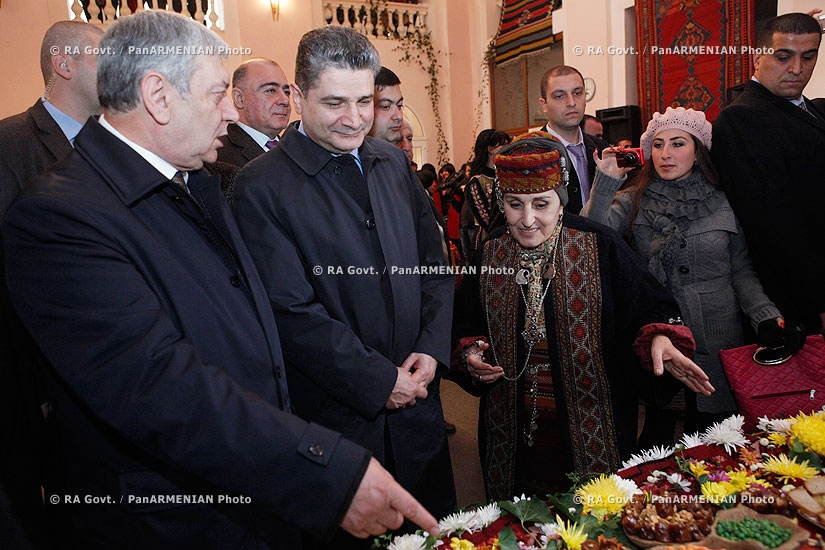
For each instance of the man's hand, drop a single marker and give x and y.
(380, 504)
(422, 367)
(665, 356)
(406, 390)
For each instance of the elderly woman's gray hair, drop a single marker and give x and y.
(333, 47)
(150, 41)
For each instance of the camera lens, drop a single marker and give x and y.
(631, 159)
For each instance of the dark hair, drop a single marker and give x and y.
(429, 167)
(561, 70)
(448, 167)
(585, 118)
(386, 77)
(486, 138)
(639, 184)
(426, 178)
(790, 23)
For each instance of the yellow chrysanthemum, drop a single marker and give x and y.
(698, 469)
(572, 534)
(778, 439)
(787, 469)
(717, 492)
(741, 479)
(461, 544)
(810, 430)
(603, 496)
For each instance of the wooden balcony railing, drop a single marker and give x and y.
(376, 18)
(208, 12)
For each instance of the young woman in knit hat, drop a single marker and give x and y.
(545, 332)
(676, 217)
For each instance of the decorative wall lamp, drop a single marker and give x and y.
(274, 4)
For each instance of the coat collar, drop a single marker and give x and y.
(241, 139)
(50, 133)
(311, 157)
(787, 106)
(128, 175)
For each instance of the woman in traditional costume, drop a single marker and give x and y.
(545, 334)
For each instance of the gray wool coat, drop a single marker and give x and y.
(692, 241)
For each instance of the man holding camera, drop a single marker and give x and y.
(562, 100)
(764, 144)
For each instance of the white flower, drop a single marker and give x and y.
(548, 531)
(408, 542)
(488, 514)
(727, 433)
(658, 453)
(525, 546)
(691, 440)
(516, 499)
(777, 425)
(626, 486)
(459, 522)
(634, 460)
(678, 481)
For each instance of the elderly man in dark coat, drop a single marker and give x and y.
(766, 146)
(169, 393)
(349, 250)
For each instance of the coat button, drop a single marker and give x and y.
(338, 171)
(235, 281)
(316, 450)
(369, 223)
(684, 269)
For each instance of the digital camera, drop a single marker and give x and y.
(629, 157)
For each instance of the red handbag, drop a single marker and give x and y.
(776, 387)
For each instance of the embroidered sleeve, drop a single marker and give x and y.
(679, 334)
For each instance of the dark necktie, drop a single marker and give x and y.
(804, 107)
(271, 144)
(179, 180)
(578, 153)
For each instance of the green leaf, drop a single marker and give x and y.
(798, 453)
(528, 511)
(507, 539)
(564, 504)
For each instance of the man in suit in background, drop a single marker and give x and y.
(260, 92)
(389, 107)
(167, 380)
(30, 143)
(767, 146)
(562, 100)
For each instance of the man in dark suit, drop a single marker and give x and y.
(260, 92)
(562, 100)
(30, 143)
(167, 381)
(350, 253)
(766, 146)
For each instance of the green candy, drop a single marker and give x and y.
(761, 530)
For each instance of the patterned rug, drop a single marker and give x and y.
(526, 26)
(691, 51)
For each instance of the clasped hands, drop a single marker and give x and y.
(414, 375)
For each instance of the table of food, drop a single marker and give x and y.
(719, 489)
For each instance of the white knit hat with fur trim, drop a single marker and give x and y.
(692, 122)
